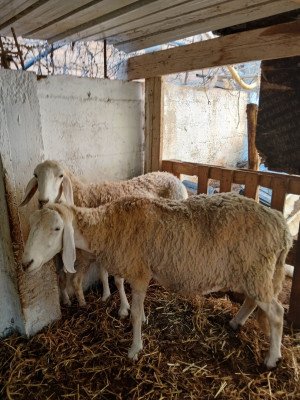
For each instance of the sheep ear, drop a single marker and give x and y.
(67, 189)
(69, 252)
(31, 188)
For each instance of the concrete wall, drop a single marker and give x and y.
(206, 127)
(93, 126)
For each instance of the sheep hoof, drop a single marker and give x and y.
(105, 297)
(123, 312)
(82, 304)
(133, 352)
(234, 325)
(271, 363)
(67, 303)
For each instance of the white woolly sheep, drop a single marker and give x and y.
(202, 244)
(52, 181)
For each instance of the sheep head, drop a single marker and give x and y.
(51, 182)
(50, 232)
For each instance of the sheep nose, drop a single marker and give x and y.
(26, 265)
(43, 202)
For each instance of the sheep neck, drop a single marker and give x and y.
(89, 229)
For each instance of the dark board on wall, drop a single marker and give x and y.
(278, 122)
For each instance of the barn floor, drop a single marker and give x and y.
(189, 353)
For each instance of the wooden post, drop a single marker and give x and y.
(253, 158)
(154, 112)
(294, 309)
(203, 178)
(18, 47)
(226, 180)
(4, 62)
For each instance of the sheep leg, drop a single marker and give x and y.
(77, 284)
(124, 307)
(144, 319)
(274, 312)
(244, 312)
(138, 296)
(62, 280)
(105, 285)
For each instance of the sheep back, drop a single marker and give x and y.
(153, 184)
(202, 244)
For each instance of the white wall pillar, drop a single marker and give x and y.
(31, 300)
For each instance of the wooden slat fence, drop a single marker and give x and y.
(280, 184)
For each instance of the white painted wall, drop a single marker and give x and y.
(94, 126)
(206, 127)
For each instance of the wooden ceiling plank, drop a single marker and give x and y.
(88, 33)
(70, 34)
(150, 20)
(276, 41)
(217, 22)
(121, 22)
(52, 10)
(165, 21)
(11, 7)
(96, 8)
(13, 10)
(71, 22)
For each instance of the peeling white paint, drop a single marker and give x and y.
(207, 127)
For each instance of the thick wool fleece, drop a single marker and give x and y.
(204, 243)
(153, 184)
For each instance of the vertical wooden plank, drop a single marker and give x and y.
(279, 190)
(203, 176)
(226, 180)
(253, 158)
(167, 166)
(294, 309)
(154, 111)
(251, 186)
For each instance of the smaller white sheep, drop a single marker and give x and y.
(54, 182)
(202, 244)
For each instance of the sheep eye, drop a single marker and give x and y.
(57, 229)
(61, 175)
(35, 175)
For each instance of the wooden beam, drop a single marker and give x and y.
(253, 158)
(154, 111)
(276, 41)
(240, 176)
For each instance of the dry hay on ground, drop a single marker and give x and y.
(189, 353)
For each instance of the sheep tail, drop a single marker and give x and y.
(278, 278)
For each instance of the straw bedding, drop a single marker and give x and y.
(189, 353)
